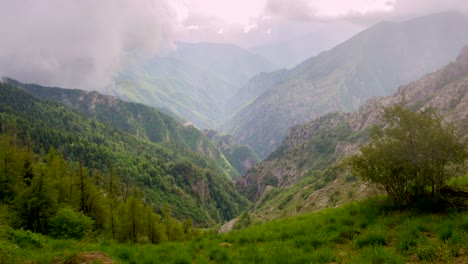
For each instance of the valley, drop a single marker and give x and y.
(209, 151)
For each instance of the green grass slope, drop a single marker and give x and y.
(367, 232)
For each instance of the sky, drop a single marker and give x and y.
(84, 43)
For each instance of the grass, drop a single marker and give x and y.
(364, 232)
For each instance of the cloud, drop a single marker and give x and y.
(366, 12)
(81, 43)
(294, 9)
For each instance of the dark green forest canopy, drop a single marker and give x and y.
(136, 161)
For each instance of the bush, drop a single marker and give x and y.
(27, 239)
(70, 224)
(413, 153)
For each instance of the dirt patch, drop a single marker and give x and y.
(87, 258)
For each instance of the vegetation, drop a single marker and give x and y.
(140, 120)
(101, 151)
(413, 153)
(51, 196)
(367, 232)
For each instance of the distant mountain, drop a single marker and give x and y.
(195, 81)
(291, 52)
(302, 175)
(166, 169)
(372, 63)
(142, 121)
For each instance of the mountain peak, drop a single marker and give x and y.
(463, 55)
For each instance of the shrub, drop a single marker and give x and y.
(414, 152)
(70, 224)
(27, 239)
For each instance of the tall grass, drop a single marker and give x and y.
(367, 232)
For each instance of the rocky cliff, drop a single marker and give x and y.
(306, 160)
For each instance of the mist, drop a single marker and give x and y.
(79, 44)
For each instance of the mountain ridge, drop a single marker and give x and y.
(166, 172)
(303, 171)
(372, 63)
(195, 81)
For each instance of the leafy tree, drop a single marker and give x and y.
(70, 224)
(413, 152)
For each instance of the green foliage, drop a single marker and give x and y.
(67, 223)
(329, 236)
(43, 125)
(27, 239)
(412, 152)
(243, 221)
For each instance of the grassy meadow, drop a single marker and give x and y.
(371, 231)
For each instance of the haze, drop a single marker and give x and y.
(83, 44)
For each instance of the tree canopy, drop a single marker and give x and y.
(412, 155)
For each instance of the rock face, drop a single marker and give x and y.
(372, 63)
(321, 142)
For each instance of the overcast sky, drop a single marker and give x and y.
(82, 43)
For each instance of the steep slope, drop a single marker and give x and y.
(302, 174)
(195, 81)
(133, 118)
(372, 63)
(168, 173)
(241, 157)
(292, 51)
(227, 61)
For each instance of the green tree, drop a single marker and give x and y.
(414, 151)
(37, 203)
(67, 223)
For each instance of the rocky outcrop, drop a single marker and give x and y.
(372, 63)
(323, 141)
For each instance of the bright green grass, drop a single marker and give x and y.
(366, 232)
(461, 181)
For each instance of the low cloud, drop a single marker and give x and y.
(365, 12)
(79, 44)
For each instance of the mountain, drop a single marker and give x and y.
(167, 172)
(142, 121)
(372, 63)
(293, 51)
(302, 174)
(241, 157)
(194, 81)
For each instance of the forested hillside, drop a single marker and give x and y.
(137, 119)
(167, 173)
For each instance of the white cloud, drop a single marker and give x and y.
(193, 27)
(79, 43)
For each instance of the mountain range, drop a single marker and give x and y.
(195, 81)
(372, 63)
(171, 163)
(303, 174)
